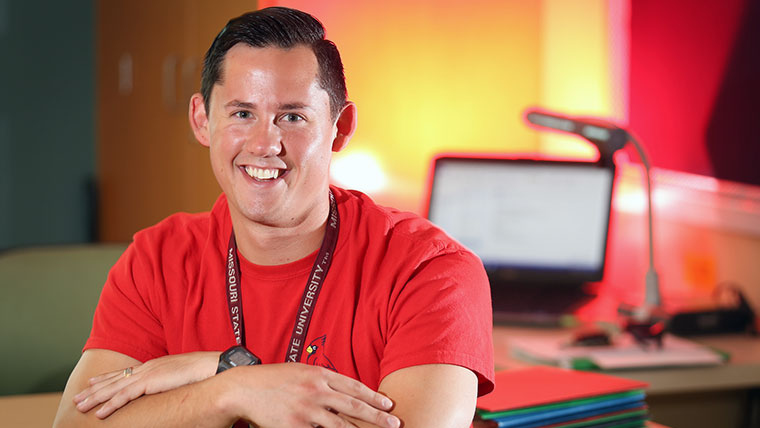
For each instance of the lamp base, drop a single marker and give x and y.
(645, 323)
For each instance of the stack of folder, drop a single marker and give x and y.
(544, 396)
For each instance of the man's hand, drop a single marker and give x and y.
(116, 389)
(298, 395)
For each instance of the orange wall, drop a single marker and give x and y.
(431, 76)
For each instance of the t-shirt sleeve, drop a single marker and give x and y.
(125, 320)
(442, 315)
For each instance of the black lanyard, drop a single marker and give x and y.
(310, 292)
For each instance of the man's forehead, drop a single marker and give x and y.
(299, 57)
(296, 62)
(295, 69)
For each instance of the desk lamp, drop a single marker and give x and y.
(647, 322)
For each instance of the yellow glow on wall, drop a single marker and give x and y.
(584, 53)
(358, 170)
(430, 76)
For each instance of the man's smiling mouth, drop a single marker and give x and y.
(263, 174)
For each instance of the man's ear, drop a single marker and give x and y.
(346, 125)
(199, 119)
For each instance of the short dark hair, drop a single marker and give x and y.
(283, 28)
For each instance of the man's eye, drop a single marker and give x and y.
(291, 117)
(242, 114)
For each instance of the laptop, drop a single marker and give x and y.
(539, 226)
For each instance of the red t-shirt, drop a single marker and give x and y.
(399, 293)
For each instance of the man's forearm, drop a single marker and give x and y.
(201, 404)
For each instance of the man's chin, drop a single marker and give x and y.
(265, 213)
(266, 217)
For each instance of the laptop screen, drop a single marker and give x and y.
(528, 220)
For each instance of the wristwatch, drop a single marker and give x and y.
(236, 356)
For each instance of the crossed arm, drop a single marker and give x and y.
(182, 390)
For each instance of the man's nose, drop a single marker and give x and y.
(265, 139)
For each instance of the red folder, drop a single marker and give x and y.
(540, 385)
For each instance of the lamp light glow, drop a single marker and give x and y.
(358, 170)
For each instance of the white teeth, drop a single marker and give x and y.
(262, 173)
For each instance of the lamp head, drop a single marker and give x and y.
(607, 137)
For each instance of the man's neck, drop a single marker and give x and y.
(274, 245)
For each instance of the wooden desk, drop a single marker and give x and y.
(29, 411)
(721, 396)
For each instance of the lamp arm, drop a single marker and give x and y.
(652, 291)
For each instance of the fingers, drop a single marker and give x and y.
(105, 388)
(329, 419)
(358, 390)
(355, 399)
(119, 399)
(360, 410)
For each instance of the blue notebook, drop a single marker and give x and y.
(552, 416)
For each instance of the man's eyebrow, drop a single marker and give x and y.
(240, 104)
(293, 106)
(251, 106)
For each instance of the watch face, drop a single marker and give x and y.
(239, 357)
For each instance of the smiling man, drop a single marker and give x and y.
(292, 303)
